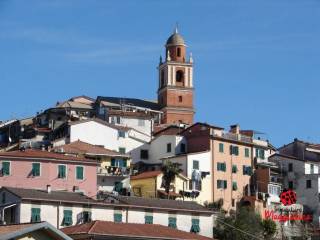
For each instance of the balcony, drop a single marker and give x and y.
(113, 171)
(237, 137)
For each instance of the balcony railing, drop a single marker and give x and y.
(113, 171)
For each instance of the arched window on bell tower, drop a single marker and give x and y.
(179, 52)
(180, 78)
(162, 82)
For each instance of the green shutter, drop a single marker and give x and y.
(257, 152)
(36, 169)
(61, 171)
(67, 218)
(236, 149)
(225, 184)
(35, 215)
(117, 217)
(261, 153)
(148, 219)
(79, 172)
(118, 186)
(231, 149)
(6, 168)
(234, 186)
(221, 147)
(234, 169)
(113, 162)
(172, 222)
(224, 167)
(246, 152)
(195, 228)
(125, 164)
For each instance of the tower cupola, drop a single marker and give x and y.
(176, 47)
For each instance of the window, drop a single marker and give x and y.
(162, 78)
(311, 168)
(195, 185)
(183, 148)
(118, 120)
(115, 162)
(247, 152)
(35, 215)
(233, 202)
(247, 170)
(290, 167)
(195, 164)
(221, 147)
(141, 122)
(180, 98)
(79, 173)
(5, 168)
(86, 216)
(221, 184)
(234, 150)
(35, 169)
(221, 167)
(179, 76)
(168, 147)
(195, 227)
(121, 134)
(101, 110)
(148, 219)
(62, 171)
(172, 222)
(234, 169)
(144, 154)
(179, 52)
(308, 184)
(274, 190)
(259, 153)
(234, 186)
(67, 218)
(290, 184)
(122, 150)
(118, 186)
(117, 217)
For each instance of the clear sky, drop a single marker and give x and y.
(256, 62)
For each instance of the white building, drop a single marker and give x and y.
(300, 164)
(66, 208)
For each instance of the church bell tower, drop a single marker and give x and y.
(175, 92)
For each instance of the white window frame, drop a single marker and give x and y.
(66, 171)
(40, 169)
(76, 173)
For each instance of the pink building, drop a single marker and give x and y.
(36, 169)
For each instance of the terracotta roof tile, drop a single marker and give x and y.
(14, 227)
(150, 174)
(130, 229)
(38, 154)
(81, 148)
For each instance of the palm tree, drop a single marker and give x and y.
(169, 170)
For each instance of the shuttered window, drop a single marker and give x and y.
(195, 227)
(172, 222)
(62, 171)
(5, 168)
(148, 219)
(117, 217)
(35, 215)
(79, 173)
(67, 218)
(35, 169)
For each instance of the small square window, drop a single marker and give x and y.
(290, 167)
(121, 134)
(180, 98)
(144, 154)
(195, 164)
(122, 150)
(182, 148)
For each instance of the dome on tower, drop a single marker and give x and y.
(175, 39)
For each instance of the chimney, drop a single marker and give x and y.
(235, 129)
(49, 189)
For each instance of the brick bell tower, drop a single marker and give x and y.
(175, 92)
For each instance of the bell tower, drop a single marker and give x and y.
(175, 92)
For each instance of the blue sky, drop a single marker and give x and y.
(256, 62)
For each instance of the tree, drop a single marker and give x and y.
(269, 228)
(169, 170)
(244, 224)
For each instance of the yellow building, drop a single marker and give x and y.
(148, 184)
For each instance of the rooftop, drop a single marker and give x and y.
(149, 174)
(97, 120)
(39, 154)
(82, 148)
(134, 230)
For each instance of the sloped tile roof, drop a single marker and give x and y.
(79, 147)
(38, 154)
(149, 174)
(149, 231)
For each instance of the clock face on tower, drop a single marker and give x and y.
(175, 93)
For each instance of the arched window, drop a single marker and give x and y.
(179, 76)
(179, 52)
